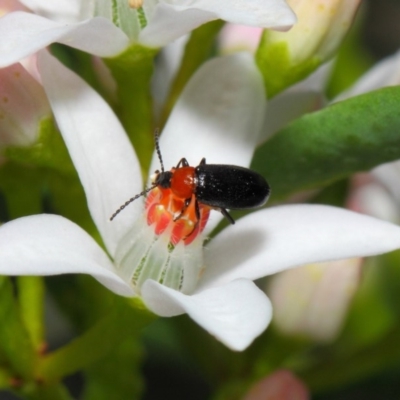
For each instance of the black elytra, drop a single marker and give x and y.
(230, 186)
(216, 185)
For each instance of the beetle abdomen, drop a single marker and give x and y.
(230, 186)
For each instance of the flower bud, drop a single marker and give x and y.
(286, 58)
(282, 385)
(312, 301)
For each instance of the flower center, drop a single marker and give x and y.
(165, 243)
(165, 211)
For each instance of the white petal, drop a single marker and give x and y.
(172, 19)
(384, 73)
(235, 313)
(101, 152)
(301, 98)
(23, 34)
(60, 10)
(52, 245)
(278, 238)
(218, 116)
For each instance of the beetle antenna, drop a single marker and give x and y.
(156, 137)
(131, 200)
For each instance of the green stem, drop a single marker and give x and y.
(132, 71)
(31, 296)
(15, 341)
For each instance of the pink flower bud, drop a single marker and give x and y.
(282, 385)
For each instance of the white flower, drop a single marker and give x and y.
(218, 117)
(102, 30)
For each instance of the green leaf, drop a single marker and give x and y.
(15, 341)
(132, 71)
(322, 147)
(31, 300)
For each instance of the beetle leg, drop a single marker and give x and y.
(182, 162)
(185, 206)
(227, 215)
(197, 212)
(203, 161)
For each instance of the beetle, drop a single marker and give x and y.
(218, 186)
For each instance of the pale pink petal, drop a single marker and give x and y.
(278, 238)
(239, 38)
(102, 154)
(7, 6)
(235, 313)
(52, 245)
(281, 385)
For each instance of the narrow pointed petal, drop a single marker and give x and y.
(102, 154)
(272, 240)
(235, 313)
(172, 19)
(218, 116)
(23, 34)
(52, 245)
